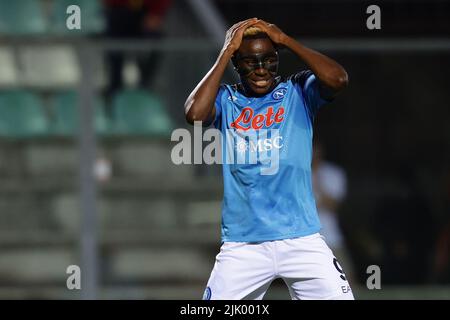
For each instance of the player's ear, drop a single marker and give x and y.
(234, 62)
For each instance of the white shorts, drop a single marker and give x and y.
(245, 270)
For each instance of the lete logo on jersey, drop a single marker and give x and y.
(248, 120)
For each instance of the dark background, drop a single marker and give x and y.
(158, 227)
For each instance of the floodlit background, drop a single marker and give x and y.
(85, 122)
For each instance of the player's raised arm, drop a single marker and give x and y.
(199, 106)
(331, 75)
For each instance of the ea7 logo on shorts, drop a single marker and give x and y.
(279, 94)
(207, 294)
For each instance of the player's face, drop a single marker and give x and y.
(257, 64)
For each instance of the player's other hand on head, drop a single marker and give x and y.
(274, 33)
(233, 37)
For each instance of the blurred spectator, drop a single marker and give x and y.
(330, 188)
(441, 263)
(441, 272)
(136, 19)
(405, 225)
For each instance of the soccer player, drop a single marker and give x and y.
(270, 226)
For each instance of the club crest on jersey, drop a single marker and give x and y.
(279, 94)
(248, 120)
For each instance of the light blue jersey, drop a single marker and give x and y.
(261, 207)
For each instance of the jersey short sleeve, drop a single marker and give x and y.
(309, 85)
(218, 105)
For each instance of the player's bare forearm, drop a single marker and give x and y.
(199, 106)
(330, 73)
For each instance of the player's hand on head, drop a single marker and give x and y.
(274, 33)
(233, 37)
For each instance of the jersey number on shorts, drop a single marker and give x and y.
(339, 269)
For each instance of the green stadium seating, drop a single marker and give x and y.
(66, 114)
(137, 112)
(92, 21)
(22, 115)
(8, 76)
(49, 66)
(22, 17)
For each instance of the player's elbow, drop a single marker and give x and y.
(192, 115)
(341, 81)
(189, 111)
(337, 83)
(195, 112)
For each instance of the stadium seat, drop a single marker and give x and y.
(92, 21)
(138, 112)
(22, 115)
(50, 66)
(22, 18)
(8, 76)
(66, 114)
